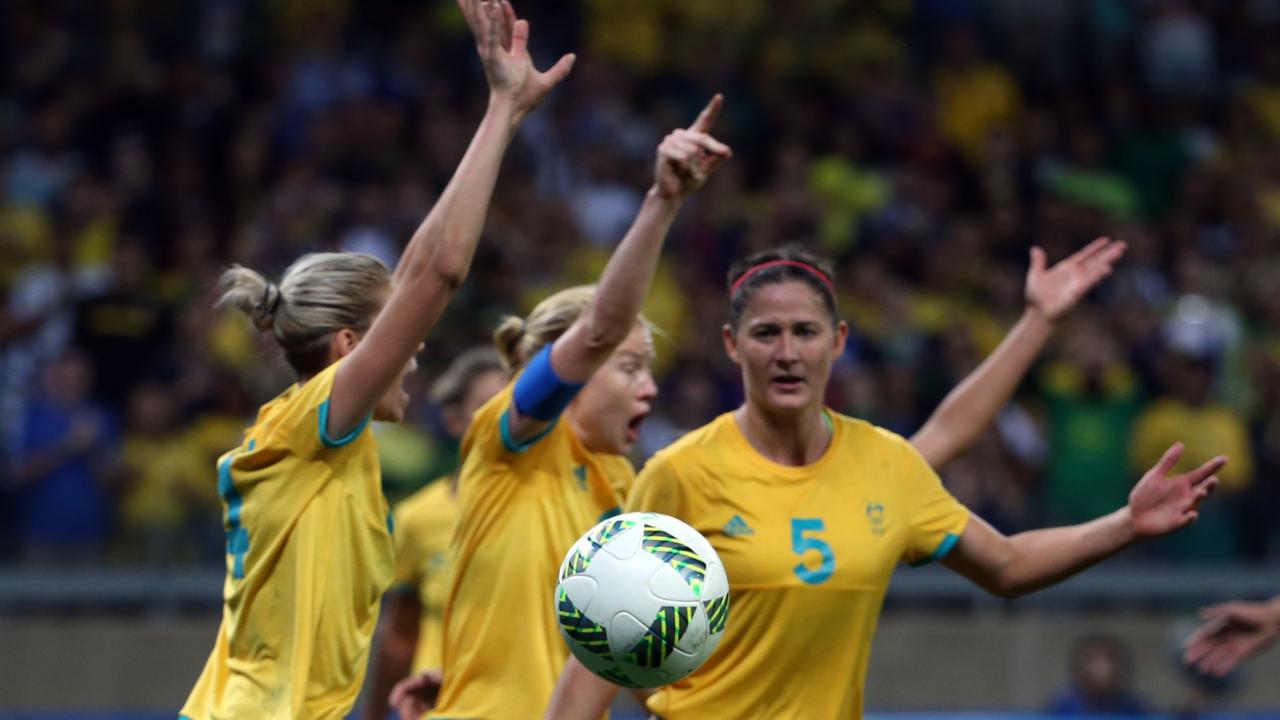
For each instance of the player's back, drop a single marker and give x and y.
(309, 554)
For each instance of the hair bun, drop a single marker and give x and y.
(264, 315)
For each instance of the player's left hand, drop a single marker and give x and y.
(1233, 632)
(687, 157)
(1052, 292)
(1159, 505)
(416, 695)
(502, 41)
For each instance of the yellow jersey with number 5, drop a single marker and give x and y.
(309, 554)
(809, 552)
(521, 507)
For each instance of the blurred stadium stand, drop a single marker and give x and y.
(925, 145)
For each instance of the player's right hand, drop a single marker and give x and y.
(502, 42)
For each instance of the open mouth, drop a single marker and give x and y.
(788, 383)
(633, 426)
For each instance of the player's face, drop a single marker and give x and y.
(395, 401)
(609, 411)
(785, 345)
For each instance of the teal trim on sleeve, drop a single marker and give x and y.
(510, 443)
(944, 547)
(345, 439)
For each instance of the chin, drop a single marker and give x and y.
(789, 403)
(391, 415)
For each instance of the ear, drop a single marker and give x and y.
(342, 343)
(730, 344)
(842, 337)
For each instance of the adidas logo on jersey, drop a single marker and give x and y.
(737, 527)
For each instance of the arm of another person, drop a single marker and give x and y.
(686, 158)
(969, 408)
(397, 643)
(1232, 633)
(438, 256)
(1026, 562)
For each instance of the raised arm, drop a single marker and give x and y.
(1030, 561)
(438, 256)
(971, 406)
(686, 158)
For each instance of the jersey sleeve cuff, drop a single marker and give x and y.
(510, 443)
(345, 439)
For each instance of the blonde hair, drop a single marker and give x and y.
(519, 339)
(320, 294)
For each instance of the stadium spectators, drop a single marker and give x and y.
(925, 145)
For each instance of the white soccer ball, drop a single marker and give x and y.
(642, 599)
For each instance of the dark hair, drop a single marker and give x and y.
(452, 387)
(795, 263)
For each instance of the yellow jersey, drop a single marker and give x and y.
(809, 552)
(424, 528)
(521, 507)
(309, 554)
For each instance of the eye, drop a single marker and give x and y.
(764, 332)
(806, 331)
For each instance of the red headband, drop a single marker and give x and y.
(821, 276)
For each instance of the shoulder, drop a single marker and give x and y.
(861, 437)
(485, 430)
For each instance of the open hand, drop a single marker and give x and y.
(1159, 505)
(416, 695)
(687, 157)
(1232, 632)
(502, 41)
(1054, 291)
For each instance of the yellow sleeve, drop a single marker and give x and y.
(303, 418)
(658, 489)
(1238, 473)
(937, 519)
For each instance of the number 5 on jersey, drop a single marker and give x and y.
(803, 531)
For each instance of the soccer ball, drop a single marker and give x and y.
(642, 600)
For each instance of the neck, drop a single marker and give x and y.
(787, 439)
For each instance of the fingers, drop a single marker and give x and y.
(519, 37)
(1221, 659)
(707, 118)
(1221, 611)
(508, 24)
(561, 69)
(491, 14)
(470, 14)
(1088, 251)
(1168, 460)
(1037, 260)
(1205, 472)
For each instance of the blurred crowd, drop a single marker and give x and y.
(924, 145)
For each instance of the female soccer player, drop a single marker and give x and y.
(822, 508)
(309, 549)
(413, 621)
(543, 460)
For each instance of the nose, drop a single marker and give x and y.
(648, 389)
(787, 352)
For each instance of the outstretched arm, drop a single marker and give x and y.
(439, 254)
(1030, 561)
(686, 158)
(1232, 633)
(969, 408)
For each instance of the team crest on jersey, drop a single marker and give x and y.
(875, 517)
